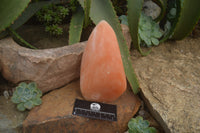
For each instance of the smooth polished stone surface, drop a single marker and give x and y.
(102, 75)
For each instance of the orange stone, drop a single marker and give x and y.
(102, 76)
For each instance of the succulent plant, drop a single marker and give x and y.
(149, 31)
(26, 96)
(52, 16)
(123, 19)
(138, 125)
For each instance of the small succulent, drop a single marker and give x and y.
(54, 29)
(123, 19)
(149, 31)
(52, 16)
(138, 125)
(26, 96)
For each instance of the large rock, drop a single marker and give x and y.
(10, 118)
(170, 83)
(49, 68)
(55, 113)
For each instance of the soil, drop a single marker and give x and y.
(36, 36)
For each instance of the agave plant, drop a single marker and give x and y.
(26, 96)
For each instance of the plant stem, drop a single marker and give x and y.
(13, 33)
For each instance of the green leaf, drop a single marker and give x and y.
(19, 90)
(170, 24)
(163, 5)
(29, 105)
(23, 85)
(189, 16)
(23, 99)
(76, 26)
(87, 4)
(32, 86)
(39, 93)
(134, 11)
(123, 19)
(3, 34)
(15, 99)
(28, 13)
(155, 41)
(21, 107)
(37, 101)
(103, 10)
(10, 11)
(138, 125)
(19, 39)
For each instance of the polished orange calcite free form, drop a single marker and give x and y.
(102, 76)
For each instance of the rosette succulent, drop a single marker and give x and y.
(149, 31)
(138, 125)
(26, 96)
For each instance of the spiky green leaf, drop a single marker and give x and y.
(10, 11)
(29, 12)
(87, 5)
(134, 12)
(76, 26)
(189, 16)
(103, 10)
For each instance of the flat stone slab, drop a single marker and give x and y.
(169, 78)
(55, 113)
(10, 118)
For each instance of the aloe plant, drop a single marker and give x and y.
(26, 96)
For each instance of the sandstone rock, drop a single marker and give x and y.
(55, 113)
(170, 80)
(102, 76)
(10, 118)
(49, 68)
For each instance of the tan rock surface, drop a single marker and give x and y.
(55, 113)
(49, 68)
(169, 78)
(10, 118)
